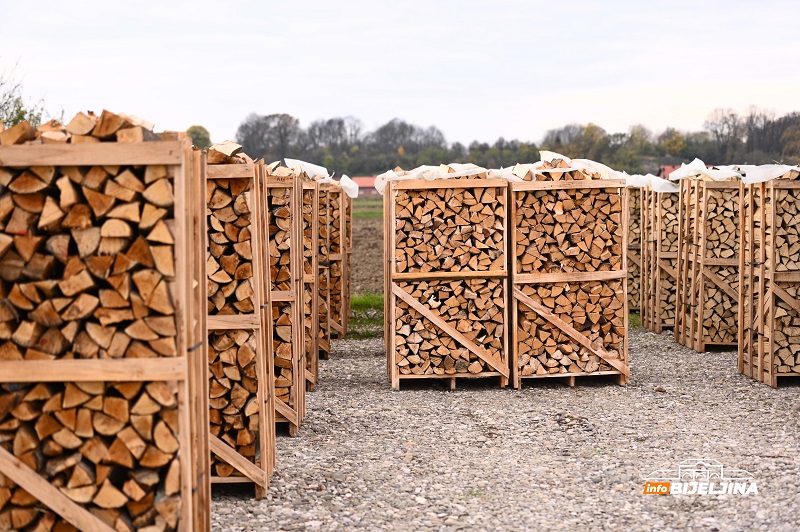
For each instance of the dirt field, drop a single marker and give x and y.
(367, 248)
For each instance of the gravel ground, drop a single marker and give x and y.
(481, 458)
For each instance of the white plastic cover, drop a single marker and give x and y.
(662, 186)
(314, 171)
(349, 186)
(637, 180)
(766, 172)
(698, 168)
(428, 173)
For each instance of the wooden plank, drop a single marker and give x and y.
(94, 154)
(572, 332)
(230, 171)
(535, 278)
(282, 296)
(725, 287)
(49, 495)
(415, 184)
(89, 370)
(445, 327)
(566, 185)
(286, 411)
(244, 466)
(239, 321)
(418, 276)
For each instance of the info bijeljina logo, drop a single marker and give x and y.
(700, 476)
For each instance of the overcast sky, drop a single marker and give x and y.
(476, 70)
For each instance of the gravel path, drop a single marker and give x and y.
(480, 458)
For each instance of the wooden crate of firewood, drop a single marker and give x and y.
(241, 392)
(769, 341)
(446, 278)
(281, 198)
(659, 258)
(337, 259)
(569, 301)
(103, 404)
(708, 264)
(311, 332)
(324, 272)
(348, 261)
(634, 249)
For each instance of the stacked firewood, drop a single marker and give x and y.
(230, 261)
(233, 380)
(770, 314)
(634, 248)
(709, 251)
(593, 308)
(574, 323)
(84, 128)
(659, 258)
(310, 268)
(336, 243)
(279, 209)
(443, 320)
(449, 229)
(323, 278)
(87, 269)
(473, 307)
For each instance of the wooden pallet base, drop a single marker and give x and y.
(452, 378)
(569, 378)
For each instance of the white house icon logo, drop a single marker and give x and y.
(700, 476)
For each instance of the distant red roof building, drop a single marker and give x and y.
(666, 170)
(366, 185)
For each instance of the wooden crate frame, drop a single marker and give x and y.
(613, 186)
(260, 471)
(338, 305)
(392, 290)
(761, 286)
(310, 280)
(635, 271)
(293, 412)
(657, 264)
(323, 272)
(185, 371)
(695, 266)
(347, 285)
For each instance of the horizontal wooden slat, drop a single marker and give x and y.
(453, 376)
(239, 321)
(413, 276)
(96, 154)
(230, 171)
(448, 183)
(518, 186)
(282, 296)
(78, 370)
(533, 278)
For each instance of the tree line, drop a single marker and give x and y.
(342, 144)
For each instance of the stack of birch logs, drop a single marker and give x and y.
(446, 274)
(769, 295)
(241, 393)
(103, 407)
(708, 258)
(660, 201)
(569, 301)
(281, 192)
(634, 249)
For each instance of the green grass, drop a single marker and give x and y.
(634, 320)
(368, 207)
(366, 316)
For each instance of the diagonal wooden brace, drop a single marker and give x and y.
(242, 464)
(573, 333)
(725, 287)
(444, 326)
(50, 496)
